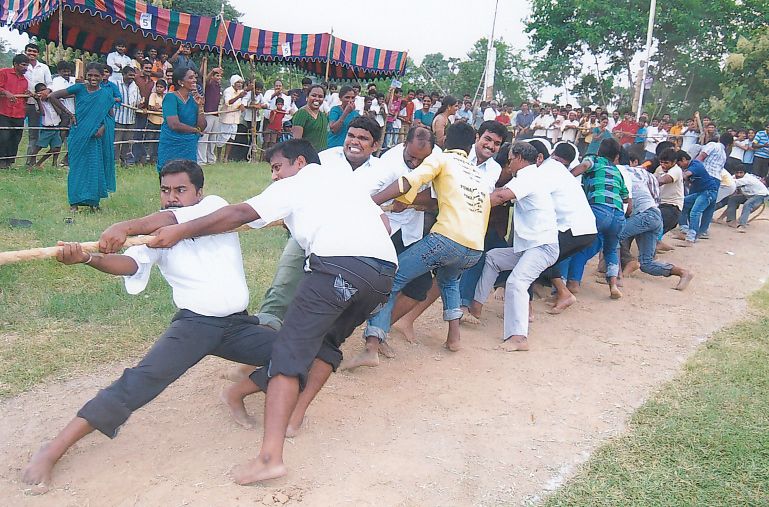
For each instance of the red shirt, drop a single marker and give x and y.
(276, 120)
(630, 127)
(13, 83)
(503, 119)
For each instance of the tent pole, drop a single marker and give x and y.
(61, 24)
(328, 55)
(221, 24)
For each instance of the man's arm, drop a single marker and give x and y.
(664, 179)
(72, 253)
(223, 220)
(581, 168)
(114, 237)
(501, 196)
(702, 156)
(392, 191)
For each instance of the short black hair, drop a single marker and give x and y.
(293, 149)
(421, 134)
(460, 136)
(193, 170)
(503, 155)
(369, 124)
(494, 127)
(306, 81)
(565, 151)
(726, 139)
(662, 146)
(125, 70)
(540, 147)
(524, 150)
(31, 45)
(279, 100)
(668, 155)
(682, 155)
(19, 59)
(161, 82)
(63, 65)
(636, 151)
(609, 149)
(39, 87)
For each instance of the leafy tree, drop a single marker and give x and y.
(745, 88)
(204, 8)
(6, 55)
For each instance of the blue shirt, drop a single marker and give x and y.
(334, 115)
(700, 180)
(761, 138)
(425, 118)
(641, 135)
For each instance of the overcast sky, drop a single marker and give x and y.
(425, 26)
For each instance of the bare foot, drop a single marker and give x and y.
(453, 344)
(686, 243)
(679, 235)
(237, 373)
(683, 283)
(664, 247)
(234, 403)
(615, 292)
(604, 281)
(38, 471)
(573, 286)
(386, 350)
(293, 430)
(469, 318)
(258, 469)
(407, 330)
(369, 357)
(562, 304)
(630, 268)
(499, 294)
(515, 344)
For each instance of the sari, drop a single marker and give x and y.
(92, 160)
(178, 145)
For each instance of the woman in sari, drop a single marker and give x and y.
(91, 155)
(183, 120)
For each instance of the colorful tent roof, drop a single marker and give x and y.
(94, 25)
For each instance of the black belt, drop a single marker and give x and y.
(382, 267)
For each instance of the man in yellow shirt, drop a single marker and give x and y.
(455, 242)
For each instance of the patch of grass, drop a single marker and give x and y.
(702, 440)
(56, 319)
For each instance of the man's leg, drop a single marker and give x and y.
(611, 251)
(184, 344)
(447, 277)
(497, 260)
(33, 121)
(750, 204)
(684, 218)
(701, 204)
(139, 148)
(287, 277)
(732, 204)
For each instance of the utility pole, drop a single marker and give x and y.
(649, 33)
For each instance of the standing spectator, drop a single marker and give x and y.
(436, 98)
(424, 117)
(392, 129)
(442, 119)
(466, 113)
(761, 152)
(613, 121)
(491, 112)
(91, 174)
(599, 133)
(653, 138)
(37, 72)
(690, 136)
(301, 101)
(626, 129)
(747, 159)
(146, 85)
(125, 117)
(542, 123)
(212, 98)
(50, 120)
(523, 121)
(183, 119)
(183, 59)
(155, 119)
(13, 89)
(737, 155)
(570, 127)
(255, 106)
(117, 60)
(61, 82)
(274, 123)
(232, 109)
(340, 116)
(310, 122)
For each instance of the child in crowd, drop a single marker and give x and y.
(49, 137)
(155, 118)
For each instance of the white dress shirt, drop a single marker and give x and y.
(490, 168)
(205, 274)
(59, 83)
(328, 214)
(534, 217)
(372, 176)
(571, 207)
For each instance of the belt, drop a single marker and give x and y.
(382, 267)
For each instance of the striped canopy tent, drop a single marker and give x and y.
(95, 25)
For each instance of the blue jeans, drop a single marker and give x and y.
(646, 228)
(609, 221)
(391, 135)
(433, 252)
(697, 207)
(469, 279)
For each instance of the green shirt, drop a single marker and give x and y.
(314, 130)
(604, 184)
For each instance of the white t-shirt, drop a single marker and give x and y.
(59, 83)
(371, 175)
(672, 193)
(541, 124)
(40, 73)
(327, 213)
(534, 218)
(570, 135)
(628, 179)
(118, 62)
(738, 149)
(205, 274)
(571, 207)
(253, 114)
(751, 186)
(410, 222)
(490, 114)
(50, 116)
(688, 139)
(652, 139)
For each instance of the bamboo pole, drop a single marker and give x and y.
(328, 54)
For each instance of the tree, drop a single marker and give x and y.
(204, 8)
(6, 55)
(745, 87)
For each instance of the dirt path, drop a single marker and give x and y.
(480, 427)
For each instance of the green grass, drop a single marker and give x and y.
(703, 439)
(56, 320)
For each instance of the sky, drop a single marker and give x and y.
(430, 26)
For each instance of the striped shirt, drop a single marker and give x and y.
(762, 137)
(131, 96)
(604, 184)
(715, 160)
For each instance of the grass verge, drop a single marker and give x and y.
(56, 320)
(702, 440)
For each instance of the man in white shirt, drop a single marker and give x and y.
(542, 123)
(37, 72)
(491, 112)
(118, 60)
(209, 288)
(349, 273)
(125, 117)
(671, 181)
(535, 245)
(690, 137)
(274, 93)
(570, 128)
(752, 194)
(61, 82)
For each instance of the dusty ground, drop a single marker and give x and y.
(479, 427)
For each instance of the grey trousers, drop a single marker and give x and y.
(287, 277)
(526, 266)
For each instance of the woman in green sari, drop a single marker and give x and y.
(91, 155)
